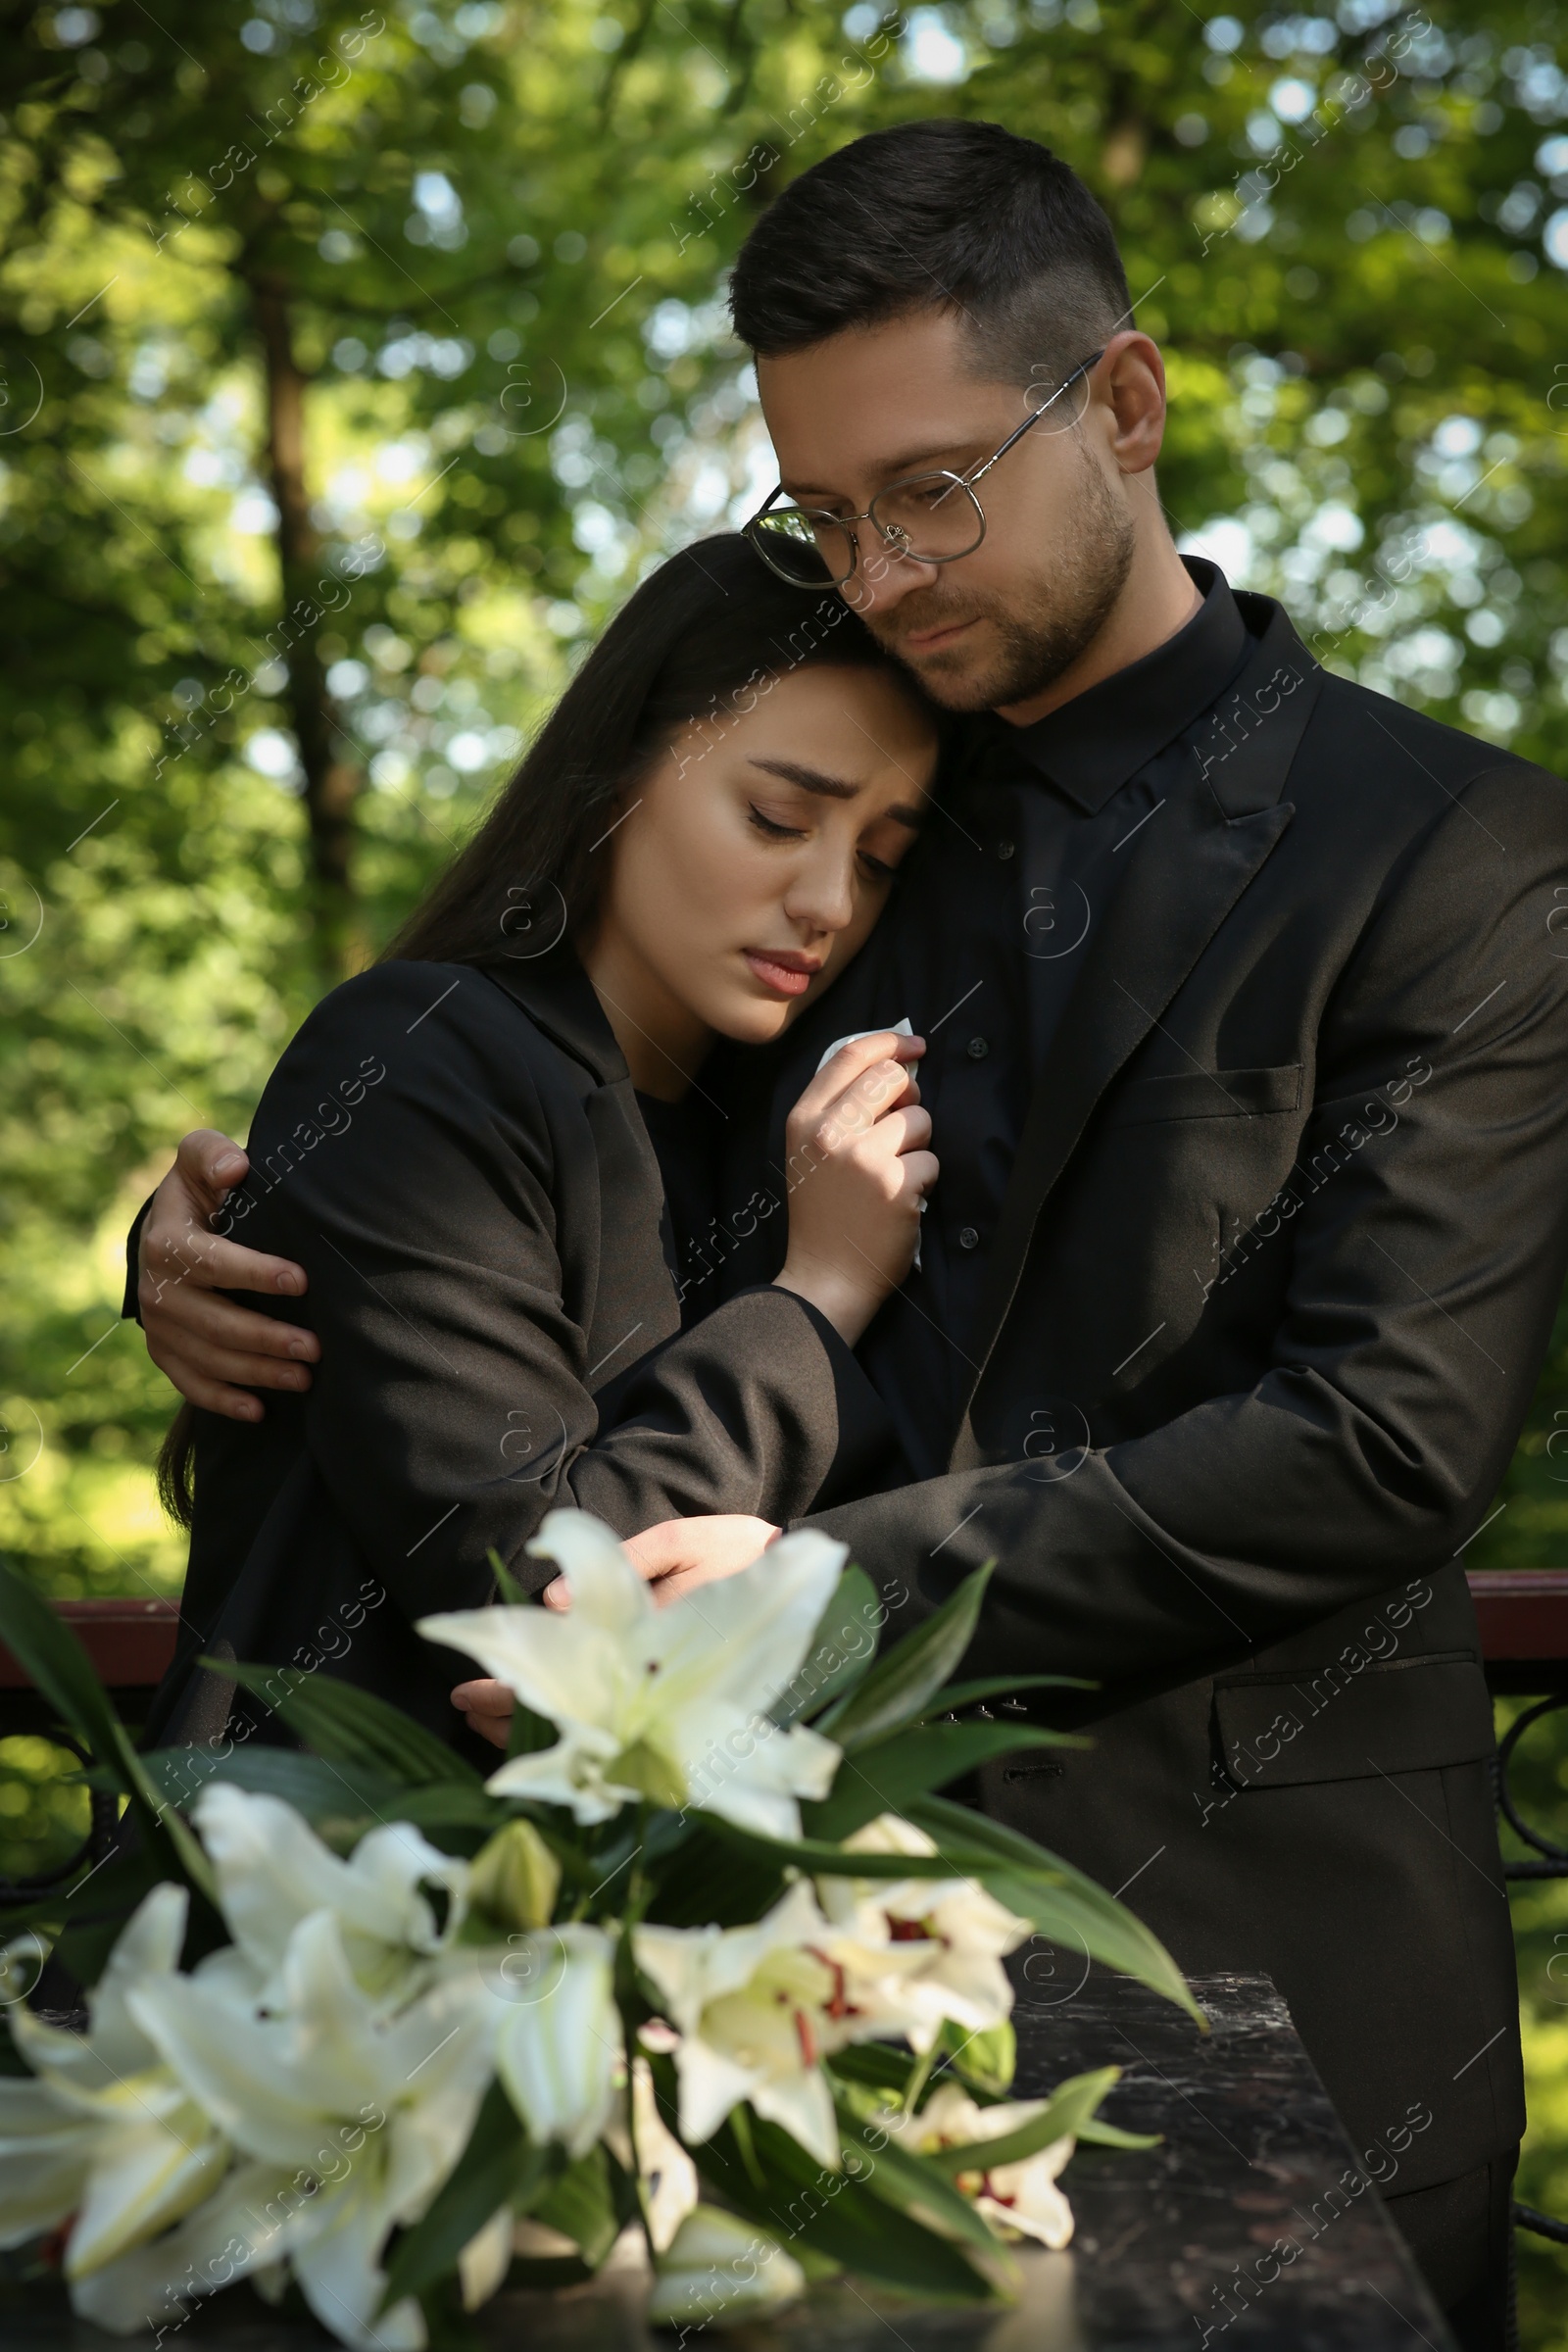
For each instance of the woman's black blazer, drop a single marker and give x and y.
(455, 1156)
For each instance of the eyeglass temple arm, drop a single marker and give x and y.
(1033, 418)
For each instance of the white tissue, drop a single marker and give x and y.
(904, 1028)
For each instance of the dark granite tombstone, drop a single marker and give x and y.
(1251, 2224)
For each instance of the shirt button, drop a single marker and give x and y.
(978, 1049)
(968, 1237)
(1006, 849)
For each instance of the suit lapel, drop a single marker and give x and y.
(1184, 880)
(555, 993)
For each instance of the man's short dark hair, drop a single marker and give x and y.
(958, 217)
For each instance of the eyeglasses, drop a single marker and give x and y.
(930, 518)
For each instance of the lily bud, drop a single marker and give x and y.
(560, 2041)
(989, 2059)
(514, 1877)
(721, 2269)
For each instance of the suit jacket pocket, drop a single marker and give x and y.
(1403, 1715)
(1209, 1095)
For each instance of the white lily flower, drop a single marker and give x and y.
(665, 1703)
(232, 2233)
(354, 2120)
(950, 1934)
(667, 2174)
(1014, 2198)
(719, 2270)
(101, 2129)
(559, 2043)
(485, 2260)
(757, 2007)
(272, 1870)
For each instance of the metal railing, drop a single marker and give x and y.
(130, 1644)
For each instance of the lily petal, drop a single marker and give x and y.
(151, 2171)
(273, 1871)
(677, 1698)
(341, 2278)
(559, 2044)
(804, 2105)
(223, 2239)
(114, 2045)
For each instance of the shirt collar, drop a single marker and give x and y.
(1091, 747)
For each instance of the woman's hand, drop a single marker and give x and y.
(201, 1341)
(674, 1557)
(858, 1173)
(487, 1707)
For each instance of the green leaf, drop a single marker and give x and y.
(352, 1727)
(90, 1920)
(529, 1732)
(448, 1808)
(826, 1860)
(48, 1652)
(832, 2214)
(1095, 2134)
(500, 2166)
(997, 1686)
(875, 2062)
(511, 1592)
(339, 1802)
(1062, 1904)
(711, 1882)
(580, 2202)
(913, 2186)
(1071, 2104)
(888, 1777)
(898, 1684)
(841, 1650)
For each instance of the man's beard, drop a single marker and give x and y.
(1042, 631)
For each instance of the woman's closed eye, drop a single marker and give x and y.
(877, 869)
(772, 828)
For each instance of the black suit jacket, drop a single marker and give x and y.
(456, 1157)
(1273, 1281)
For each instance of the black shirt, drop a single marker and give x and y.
(982, 948)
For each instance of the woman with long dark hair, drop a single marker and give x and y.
(455, 1149)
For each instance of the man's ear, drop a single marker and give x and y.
(1132, 385)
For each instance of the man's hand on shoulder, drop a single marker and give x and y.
(213, 1351)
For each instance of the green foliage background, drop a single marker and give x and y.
(408, 321)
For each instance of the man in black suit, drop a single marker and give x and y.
(1248, 1071)
(1247, 1061)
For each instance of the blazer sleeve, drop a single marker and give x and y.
(1426, 1224)
(411, 1166)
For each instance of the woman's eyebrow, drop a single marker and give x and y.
(827, 788)
(809, 779)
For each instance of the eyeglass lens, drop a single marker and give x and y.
(935, 515)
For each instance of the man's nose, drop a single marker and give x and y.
(885, 572)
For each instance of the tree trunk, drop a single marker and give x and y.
(332, 777)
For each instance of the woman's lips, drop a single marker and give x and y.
(791, 978)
